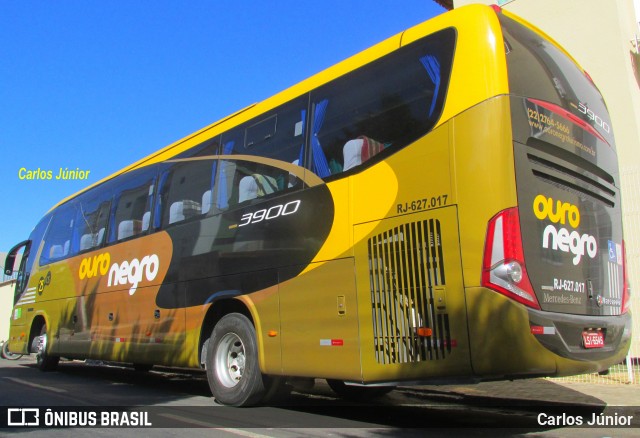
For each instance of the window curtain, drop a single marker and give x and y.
(301, 155)
(320, 165)
(157, 215)
(222, 198)
(432, 66)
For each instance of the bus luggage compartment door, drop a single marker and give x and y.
(411, 297)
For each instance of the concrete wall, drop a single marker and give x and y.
(6, 306)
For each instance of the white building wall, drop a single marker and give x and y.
(6, 305)
(7, 288)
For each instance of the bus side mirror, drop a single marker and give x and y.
(10, 261)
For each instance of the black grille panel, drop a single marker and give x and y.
(405, 265)
(571, 172)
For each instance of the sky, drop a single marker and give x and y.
(95, 85)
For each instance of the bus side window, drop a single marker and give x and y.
(256, 185)
(359, 150)
(57, 244)
(92, 219)
(278, 135)
(132, 205)
(384, 105)
(185, 190)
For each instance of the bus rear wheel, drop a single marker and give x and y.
(40, 346)
(232, 363)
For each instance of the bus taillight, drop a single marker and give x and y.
(626, 293)
(504, 269)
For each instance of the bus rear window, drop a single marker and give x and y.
(537, 68)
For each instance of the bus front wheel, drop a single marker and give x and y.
(40, 346)
(232, 362)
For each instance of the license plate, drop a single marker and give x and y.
(593, 339)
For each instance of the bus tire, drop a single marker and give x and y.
(276, 390)
(40, 345)
(358, 393)
(6, 354)
(232, 362)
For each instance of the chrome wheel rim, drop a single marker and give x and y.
(230, 360)
(42, 346)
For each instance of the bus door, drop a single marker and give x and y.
(27, 284)
(21, 295)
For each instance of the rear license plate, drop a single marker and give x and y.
(593, 339)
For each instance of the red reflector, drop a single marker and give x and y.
(337, 342)
(424, 332)
(537, 330)
(541, 330)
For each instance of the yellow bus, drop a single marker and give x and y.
(442, 206)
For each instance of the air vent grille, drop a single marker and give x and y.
(405, 265)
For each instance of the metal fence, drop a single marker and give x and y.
(626, 373)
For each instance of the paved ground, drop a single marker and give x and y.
(527, 408)
(532, 391)
(545, 391)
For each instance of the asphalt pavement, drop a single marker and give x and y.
(538, 407)
(537, 391)
(546, 391)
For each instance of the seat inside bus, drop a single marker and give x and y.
(359, 150)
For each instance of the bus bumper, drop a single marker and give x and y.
(509, 340)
